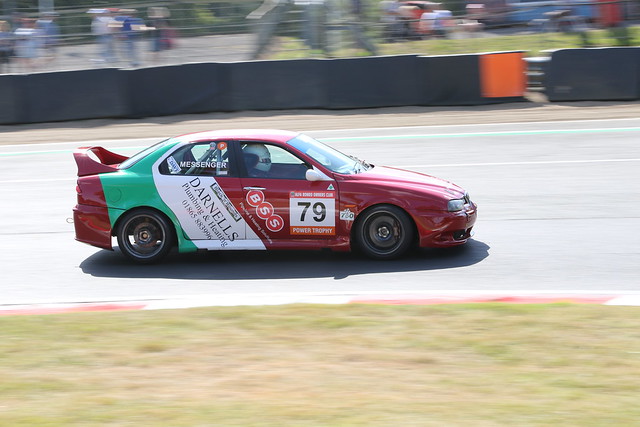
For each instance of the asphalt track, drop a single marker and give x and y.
(558, 213)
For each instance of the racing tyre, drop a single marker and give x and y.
(384, 232)
(145, 236)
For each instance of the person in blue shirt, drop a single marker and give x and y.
(50, 33)
(132, 28)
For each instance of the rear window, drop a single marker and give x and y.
(142, 154)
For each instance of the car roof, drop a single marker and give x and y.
(274, 135)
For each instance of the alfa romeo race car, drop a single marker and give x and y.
(259, 190)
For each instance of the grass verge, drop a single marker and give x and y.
(312, 365)
(534, 44)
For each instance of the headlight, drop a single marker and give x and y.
(455, 205)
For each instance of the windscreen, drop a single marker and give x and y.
(328, 157)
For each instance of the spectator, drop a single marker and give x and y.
(428, 22)
(390, 18)
(161, 34)
(26, 44)
(6, 46)
(315, 16)
(267, 16)
(444, 22)
(103, 27)
(471, 24)
(409, 21)
(50, 32)
(356, 10)
(132, 28)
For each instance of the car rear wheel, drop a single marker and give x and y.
(145, 236)
(384, 232)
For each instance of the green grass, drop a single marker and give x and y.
(535, 44)
(310, 365)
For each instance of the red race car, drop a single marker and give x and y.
(257, 190)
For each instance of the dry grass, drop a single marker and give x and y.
(305, 365)
(533, 43)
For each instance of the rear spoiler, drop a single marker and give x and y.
(87, 165)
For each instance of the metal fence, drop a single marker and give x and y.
(168, 33)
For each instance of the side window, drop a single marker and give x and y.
(271, 161)
(202, 158)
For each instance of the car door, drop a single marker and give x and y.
(199, 182)
(279, 202)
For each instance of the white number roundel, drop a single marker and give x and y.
(275, 223)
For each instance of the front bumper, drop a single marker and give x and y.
(449, 229)
(92, 225)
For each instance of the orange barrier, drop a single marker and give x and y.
(502, 74)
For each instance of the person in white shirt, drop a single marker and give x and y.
(26, 44)
(444, 22)
(102, 27)
(428, 23)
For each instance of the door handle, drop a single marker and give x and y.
(254, 188)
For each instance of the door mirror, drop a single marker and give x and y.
(314, 175)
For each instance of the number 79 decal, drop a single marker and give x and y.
(319, 211)
(312, 212)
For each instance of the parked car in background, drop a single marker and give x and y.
(537, 12)
(490, 13)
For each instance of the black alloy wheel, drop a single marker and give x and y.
(384, 232)
(145, 236)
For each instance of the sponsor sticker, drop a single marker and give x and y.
(264, 210)
(174, 167)
(226, 202)
(275, 223)
(193, 164)
(254, 198)
(204, 218)
(312, 212)
(347, 215)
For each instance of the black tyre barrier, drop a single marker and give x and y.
(277, 85)
(180, 89)
(74, 95)
(13, 106)
(599, 74)
(261, 85)
(450, 80)
(386, 81)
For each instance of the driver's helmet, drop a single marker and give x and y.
(264, 157)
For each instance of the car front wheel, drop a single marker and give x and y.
(384, 232)
(145, 236)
